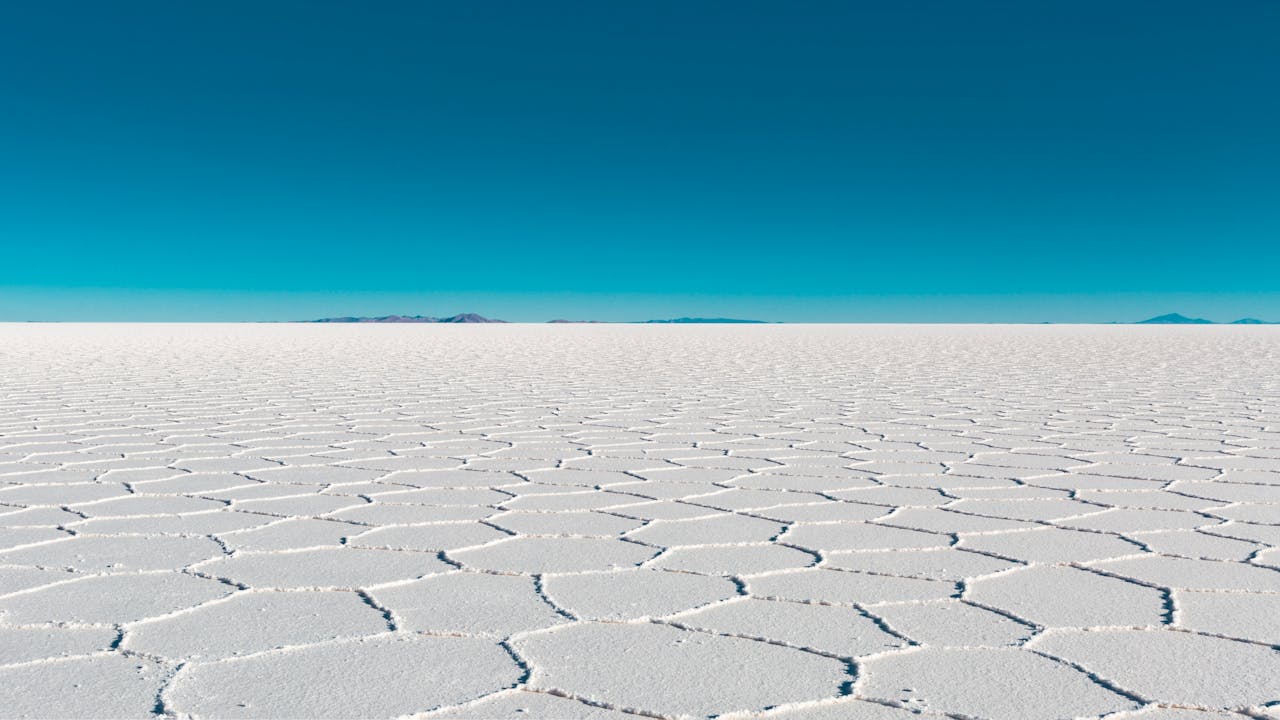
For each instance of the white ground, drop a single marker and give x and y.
(586, 522)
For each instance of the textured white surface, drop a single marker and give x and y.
(597, 522)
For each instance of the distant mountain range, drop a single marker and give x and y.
(474, 318)
(460, 318)
(694, 321)
(1178, 319)
(1169, 319)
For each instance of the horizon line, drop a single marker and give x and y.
(473, 318)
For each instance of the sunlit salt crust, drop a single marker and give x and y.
(594, 522)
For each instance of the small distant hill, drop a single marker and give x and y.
(1251, 321)
(460, 318)
(1174, 319)
(687, 320)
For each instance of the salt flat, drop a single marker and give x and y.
(792, 522)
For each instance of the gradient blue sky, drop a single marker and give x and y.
(1081, 160)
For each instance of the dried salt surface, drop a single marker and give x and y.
(22, 644)
(392, 676)
(593, 522)
(1006, 683)
(95, 686)
(1226, 675)
(522, 705)
(634, 594)
(645, 665)
(469, 604)
(250, 622)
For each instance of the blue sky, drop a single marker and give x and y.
(986, 161)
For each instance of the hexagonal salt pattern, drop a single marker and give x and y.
(613, 521)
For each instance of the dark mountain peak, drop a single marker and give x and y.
(1174, 319)
(1251, 321)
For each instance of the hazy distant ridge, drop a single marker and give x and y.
(474, 318)
(460, 318)
(1167, 319)
(1179, 319)
(689, 320)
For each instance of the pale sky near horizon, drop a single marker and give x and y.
(1064, 161)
